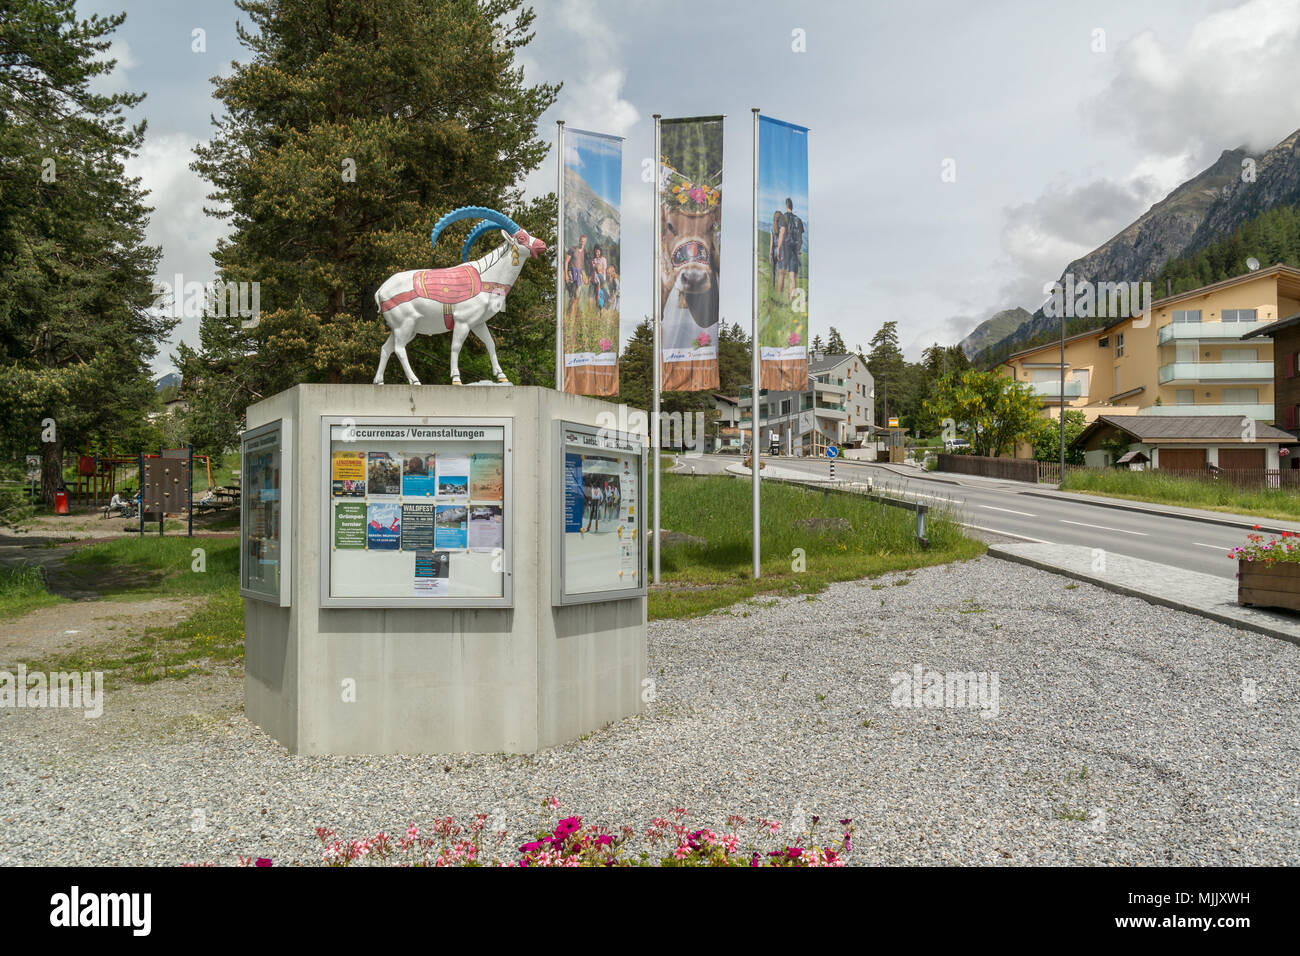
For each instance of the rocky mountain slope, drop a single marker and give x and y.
(594, 218)
(994, 329)
(1201, 210)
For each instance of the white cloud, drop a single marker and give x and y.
(1236, 81)
(114, 81)
(178, 224)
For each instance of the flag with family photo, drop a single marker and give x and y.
(782, 255)
(690, 233)
(591, 261)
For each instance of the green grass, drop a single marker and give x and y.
(776, 318)
(213, 634)
(698, 578)
(163, 567)
(22, 589)
(1222, 495)
(129, 568)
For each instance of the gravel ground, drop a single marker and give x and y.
(1125, 734)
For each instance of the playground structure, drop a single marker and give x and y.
(99, 477)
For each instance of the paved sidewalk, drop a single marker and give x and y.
(1203, 594)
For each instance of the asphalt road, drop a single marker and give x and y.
(1005, 508)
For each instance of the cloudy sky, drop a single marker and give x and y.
(1059, 124)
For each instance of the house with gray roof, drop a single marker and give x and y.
(1183, 442)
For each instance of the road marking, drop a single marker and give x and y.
(1009, 511)
(1008, 534)
(1102, 527)
(1214, 546)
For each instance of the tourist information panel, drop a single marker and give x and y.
(417, 513)
(601, 544)
(264, 514)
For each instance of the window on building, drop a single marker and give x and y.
(1188, 315)
(1185, 396)
(1082, 376)
(1119, 387)
(1241, 396)
(1239, 315)
(1103, 342)
(1241, 355)
(1119, 344)
(1186, 353)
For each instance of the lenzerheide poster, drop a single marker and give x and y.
(783, 255)
(591, 262)
(690, 212)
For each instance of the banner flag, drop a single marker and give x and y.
(590, 260)
(690, 211)
(783, 254)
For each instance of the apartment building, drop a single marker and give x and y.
(727, 413)
(836, 407)
(1285, 334)
(1185, 356)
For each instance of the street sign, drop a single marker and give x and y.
(831, 451)
(893, 422)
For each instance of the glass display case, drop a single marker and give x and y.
(264, 514)
(599, 515)
(416, 512)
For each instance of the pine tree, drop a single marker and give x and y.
(349, 132)
(835, 344)
(885, 362)
(75, 272)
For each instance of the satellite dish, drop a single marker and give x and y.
(1252, 263)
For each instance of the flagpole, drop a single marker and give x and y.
(657, 313)
(754, 354)
(559, 256)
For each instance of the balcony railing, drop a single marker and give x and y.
(1052, 390)
(1259, 412)
(1206, 331)
(1216, 372)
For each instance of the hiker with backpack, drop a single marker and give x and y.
(791, 247)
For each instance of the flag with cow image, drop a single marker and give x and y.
(782, 255)
(690, 230)
(591, 260)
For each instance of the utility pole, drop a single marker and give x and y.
(1062, 405)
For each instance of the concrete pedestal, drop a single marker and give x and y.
(438, 680)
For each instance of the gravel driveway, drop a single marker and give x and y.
(1125, 734)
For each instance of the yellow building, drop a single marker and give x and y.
(1185, 356)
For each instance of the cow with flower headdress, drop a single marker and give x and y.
(458, 300)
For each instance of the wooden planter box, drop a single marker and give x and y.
(1276, 586)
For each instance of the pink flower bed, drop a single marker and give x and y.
(668, 841)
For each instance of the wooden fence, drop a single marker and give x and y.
(1023, 469)
(1239, 477)
(1009, 469)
